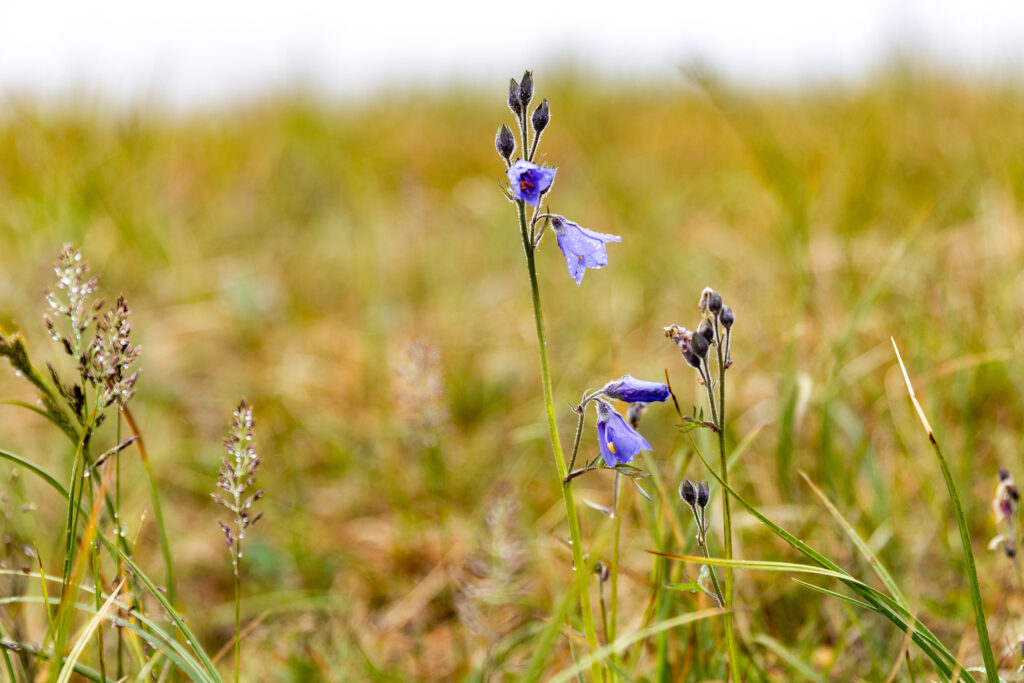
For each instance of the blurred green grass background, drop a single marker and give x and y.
(353, 270)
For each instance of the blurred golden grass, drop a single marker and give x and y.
(302, 253)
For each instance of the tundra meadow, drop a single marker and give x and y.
(567, 379)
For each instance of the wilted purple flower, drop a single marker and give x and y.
(618, 441)
(631, 390)
(582, 248)
(529, 181)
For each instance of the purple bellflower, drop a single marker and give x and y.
(582, 248)
(631, 390)
(618, 441)
(529, 181)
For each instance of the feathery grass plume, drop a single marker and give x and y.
(237, 479)
(491, 582)
(73, 279)
(110, 356)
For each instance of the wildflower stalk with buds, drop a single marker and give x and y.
(237, 477)
(528, 183)
(715, 331)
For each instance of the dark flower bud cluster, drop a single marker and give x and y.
(697, 494)
(1005, 506)
(529, 184)
(237, 479)
(713, 332)
(683, 338)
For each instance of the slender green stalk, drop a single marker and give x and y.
(730, 633)
(615, 559)
(165, 544)
(549, 403)
(117, 530)
(238, 622)
(991, 673)
(714, 577)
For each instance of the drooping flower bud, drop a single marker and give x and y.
(699, 345)
(703, 494)
(708, 330)
(715, 303)
(513, 97)
(635, 412)
(628, 388)
(541, 116)
(688, 492)
(683, 338)
(526, 89)
(726, 317)
(505, 142)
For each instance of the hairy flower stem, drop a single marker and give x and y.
(730, 634)
(615, 558)
(556, 445)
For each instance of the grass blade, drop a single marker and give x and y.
(991, 673)
(622, 643)
(83, 639)
(861, 544)
(880, 603)
(783, 653)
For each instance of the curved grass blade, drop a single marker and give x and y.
(862, 546)
(69, 664)
(991, 673)
(880, 603)
(783, 653)
(137, 572)
(176, 652)
(165, 544)
(622, 643)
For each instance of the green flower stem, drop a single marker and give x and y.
(576, 440)
(730, 634)
(614, 612)
(238, 621)
(556, 445)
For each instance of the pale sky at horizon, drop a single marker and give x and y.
(196, 52)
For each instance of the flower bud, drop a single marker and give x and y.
(708, 330)
(505, 142)
(526, 89)
(715, 302)
(699, 345)
(541, 116)
(726, 317)
(513, 97)
(635, 412)
(703, 494)
(688, 492)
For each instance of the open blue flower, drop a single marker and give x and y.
(582, 248)
(618, 441)
(631, 390)
(529, 181)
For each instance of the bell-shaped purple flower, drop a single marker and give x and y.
(582, 248)
(631, 390)
(618, 441)
(529, 181)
